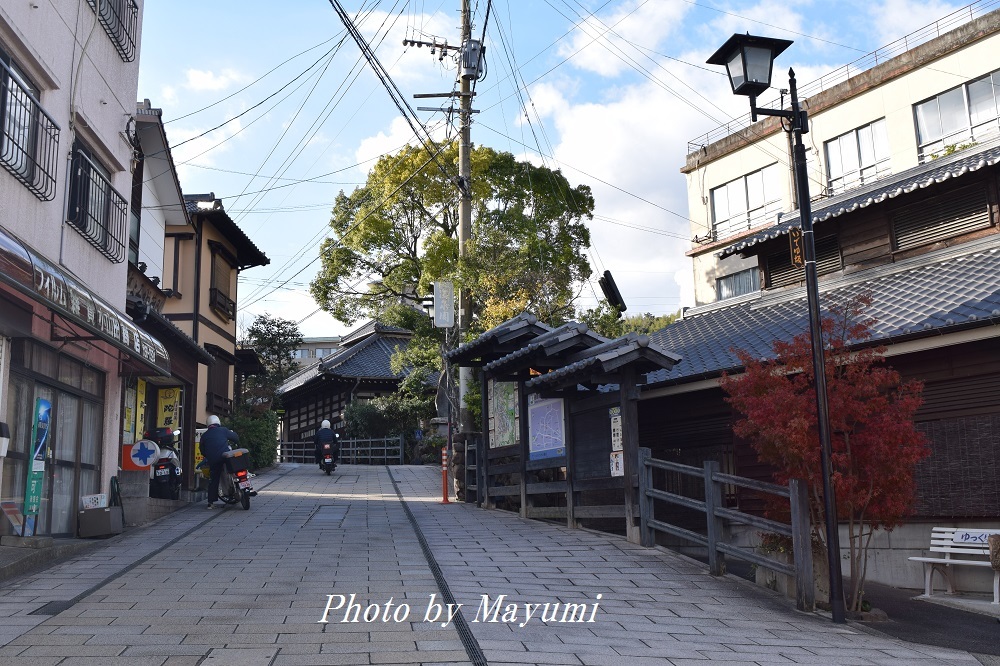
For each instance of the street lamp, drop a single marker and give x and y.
(749, 60)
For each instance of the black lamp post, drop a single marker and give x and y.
(749, 61)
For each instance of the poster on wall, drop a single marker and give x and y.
(140, 406)
(128, 418)
(546, 431)
(36, 465)
(504, 415)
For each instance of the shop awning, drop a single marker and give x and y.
(33, 275)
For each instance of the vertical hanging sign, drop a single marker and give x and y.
(795, 247)
(36, 470)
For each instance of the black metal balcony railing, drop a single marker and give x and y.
(96, 210)
(221, 302)
(120, 19)
(29, 138)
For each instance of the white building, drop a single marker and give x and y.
(68, 76)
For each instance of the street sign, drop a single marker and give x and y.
(795, 247)
(444, 304)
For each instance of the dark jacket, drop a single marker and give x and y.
(215, 442)
(326, 436)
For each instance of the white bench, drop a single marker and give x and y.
(959, 546)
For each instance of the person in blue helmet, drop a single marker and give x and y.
(215, 442)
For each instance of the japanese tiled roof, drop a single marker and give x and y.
(956, 165)
(523, 326)
(368, 358)
(569, 335)
(930, 295)
(208, 206)
(608, 357)
(368, 329)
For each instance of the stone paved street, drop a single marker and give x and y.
(250, 588)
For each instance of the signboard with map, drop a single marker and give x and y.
(503, 416)
(546, 428)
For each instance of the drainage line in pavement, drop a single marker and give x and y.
(469, 641)
(56, 607)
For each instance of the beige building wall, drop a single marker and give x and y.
(888, 91)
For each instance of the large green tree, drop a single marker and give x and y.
(398, 233)
(274, 339)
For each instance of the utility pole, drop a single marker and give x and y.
(465, 204)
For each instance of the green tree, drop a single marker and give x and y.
(254, 419)
(397, 234)
(274, 339)
(607, 321)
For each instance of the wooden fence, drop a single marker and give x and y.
(378, 451)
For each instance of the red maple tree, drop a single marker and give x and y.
(875, 444)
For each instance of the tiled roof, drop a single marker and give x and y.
(952, 166)
(614, 354)
(369, 359)
(367, 329)
(559, 339)
(929, 295)
(524, 324)
(208, 206)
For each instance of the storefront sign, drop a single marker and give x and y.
(32, 274)
(36, 469)
(169, 400)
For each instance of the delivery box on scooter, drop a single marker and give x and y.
(237, 460)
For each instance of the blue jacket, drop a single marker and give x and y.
(215, 442)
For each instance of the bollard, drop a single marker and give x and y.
(444, 476)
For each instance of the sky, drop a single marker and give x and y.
(271, 107)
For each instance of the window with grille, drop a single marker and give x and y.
(29, 138)
(781, 271)
(96, 209)
(120, 20)
(737, 284)
(961, 115)
(746, 202)
(857, 157)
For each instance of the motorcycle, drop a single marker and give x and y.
(329, 459)
(234, 485)
(165, 473)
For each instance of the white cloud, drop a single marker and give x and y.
(892, 19)
(205, 81)
(603, 45)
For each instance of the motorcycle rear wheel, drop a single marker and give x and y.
(245, 499)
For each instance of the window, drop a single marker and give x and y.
(96, 209)
(135, 212)
(737, 284)
(220, 293)
(746, 202)
(120, 19)
(29, 138)
(857, 157)
(961, 115)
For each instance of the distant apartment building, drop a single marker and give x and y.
(315, 348)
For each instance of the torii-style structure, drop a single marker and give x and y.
(561, 404)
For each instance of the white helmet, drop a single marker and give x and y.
(213, 420)
(325, 424)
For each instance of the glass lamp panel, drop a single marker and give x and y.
(737, 76)
(758, 64)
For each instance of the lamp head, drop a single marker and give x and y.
(748, 61)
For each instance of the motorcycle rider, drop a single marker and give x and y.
(325, 436)
(214, 442)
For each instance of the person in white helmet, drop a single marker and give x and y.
(215, 442)
(325, 436)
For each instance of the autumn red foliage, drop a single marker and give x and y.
(875, 444)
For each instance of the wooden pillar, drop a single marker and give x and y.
(570, 461)
(629, 397)
(483, 448)
(523, 434)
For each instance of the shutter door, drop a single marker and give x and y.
(937, 219)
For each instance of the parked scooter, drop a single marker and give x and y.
(165, 473)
